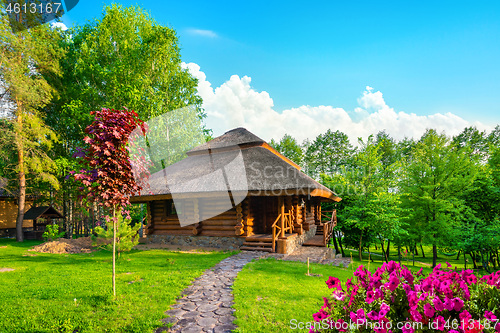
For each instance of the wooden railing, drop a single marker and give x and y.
(328, 226)
(288, 226)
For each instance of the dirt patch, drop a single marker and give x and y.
(5, 269)
(63, 246)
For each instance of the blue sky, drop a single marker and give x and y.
(425, 57)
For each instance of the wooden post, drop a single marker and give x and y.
(282, 219)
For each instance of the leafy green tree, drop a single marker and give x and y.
(124, 58)
(472, 138)
(368, 210)
(289, 147)
(28, 59)
(494, 137)
(388, 149)
(328, 153)
(432, 183)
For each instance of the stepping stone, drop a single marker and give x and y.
(192, 329)
(224, 328)
(227, 319)
(224, 311)
(175, 312)
(189, 307)
(207, 322)
(207, 307)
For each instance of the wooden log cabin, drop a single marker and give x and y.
(235, 191)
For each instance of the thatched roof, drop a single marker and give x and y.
(246, 167)
(233, 138)
(42, 211)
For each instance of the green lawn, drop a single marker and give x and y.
(269, 294)
(39, 295)
(420, 261)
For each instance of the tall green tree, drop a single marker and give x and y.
(432, 183)
(28, 62)
(289, 147)
(125, 58)
(328, 153)
(369, 208)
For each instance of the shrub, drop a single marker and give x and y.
(126, 235)
(52, 232)
(393, 299)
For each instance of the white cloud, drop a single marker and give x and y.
(236, 104)
(202, 33)
(59, 25)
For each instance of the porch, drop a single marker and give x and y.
(282, 224)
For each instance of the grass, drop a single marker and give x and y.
(420, 261)
(64, 293)
(269, 294)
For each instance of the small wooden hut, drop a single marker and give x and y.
(8, 211)
(41, 217)
(235, 191)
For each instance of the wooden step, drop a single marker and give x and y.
(250, 248)
(259, 238)
(257, 244)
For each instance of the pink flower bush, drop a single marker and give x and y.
(393, 299)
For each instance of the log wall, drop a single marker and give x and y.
(164, 222)
(220, 225)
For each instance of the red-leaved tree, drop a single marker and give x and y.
(107, 170)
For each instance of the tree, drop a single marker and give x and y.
(473, 139)
(368, 208)
(108, 175)
(432, 183)
(124, 58)
(328, 153)
(289, 147)
(125, 235)
(28, 59)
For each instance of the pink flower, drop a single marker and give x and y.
(438, 304)
(392, 284)
(333, 282)
(416, 316)
(458, 304)
(465, 317)
(449, 304)
(471, 279)
(326, 303)
(372, 315)
(319, 316)
(440, 323)
(384, 310)
(429, 310)
(408, 328)
(490, 316)
(358, 317)
(370, 296)
(338, 295)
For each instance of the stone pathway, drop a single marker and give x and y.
(206, 304)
